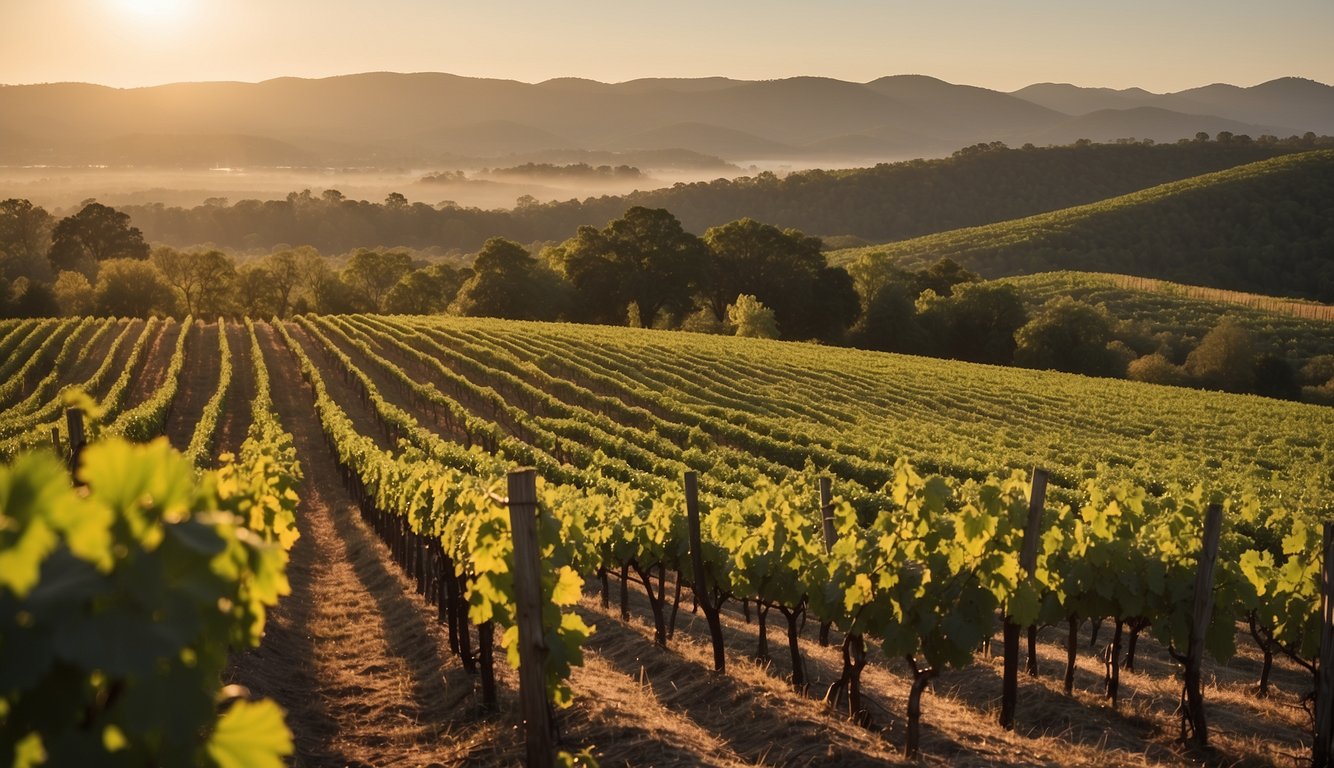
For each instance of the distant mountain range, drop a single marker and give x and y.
(416, 120)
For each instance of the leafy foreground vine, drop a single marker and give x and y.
(120, 601)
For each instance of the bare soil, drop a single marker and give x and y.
(199, 380)
(236, 406)
(153, 368)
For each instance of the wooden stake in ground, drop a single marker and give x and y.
(1028, 561)
(74, 427)
(1204, 604)
(827, 528)
(702, 595)
(1323, 747)
(528, 596)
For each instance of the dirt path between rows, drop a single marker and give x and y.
(87, 364)
(153, 366)
(236, 406)
(353, 655)
(199, 380)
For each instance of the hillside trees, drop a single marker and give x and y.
(977, 322)
(426, 291)
(751, 318)
(25, 238)
(1069, 335)
(371, 274)
(785, 270)
(1224, 358)
(643, 259)
(95, 234)
(508, 282)
(132, 288)
(204, 281)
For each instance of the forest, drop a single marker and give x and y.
(978, 185)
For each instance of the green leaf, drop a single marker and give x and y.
(1024, 604)
(250, 735)
(569, 587)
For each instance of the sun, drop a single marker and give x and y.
(154, 10)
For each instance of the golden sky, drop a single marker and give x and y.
(1164, 45)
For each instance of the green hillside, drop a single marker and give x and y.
(1296, 330)
(1266, 227)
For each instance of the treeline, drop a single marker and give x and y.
(1265, 227)
(978, 185)
(642, 269)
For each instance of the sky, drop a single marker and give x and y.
(1160, 45)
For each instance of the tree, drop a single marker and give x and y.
(27, 298)
(25, 238)
(784, 269)
(74, 294)
(876, 271)
(889, 322)
(643, 259)
(508, 282)
(1224, 358)
(751, 318)
(203, 280)
(942, 276)
(257, 290)
(426, 291)
(289, 270)
(1068, 335)
(132, 288)
(1157, 369)
(1275, 378)
(976, 323)
(93, 235)
(371, 274)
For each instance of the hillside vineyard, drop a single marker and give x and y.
(870, 502)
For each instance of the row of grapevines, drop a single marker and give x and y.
(111, 403)
(38, 358)
(33, 420)
(75, 346)
(1117, 524)
(269, 467)
(459, 509)
(148, 418)
(528, 443)
(569, 432)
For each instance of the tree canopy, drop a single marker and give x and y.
(643, 259)
(95, 234)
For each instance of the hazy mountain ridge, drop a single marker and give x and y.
(381, 117)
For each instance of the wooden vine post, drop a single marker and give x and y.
(1323, 746)
(1028, 561)
(702, 594)
(74, 428)
(827, 528)
(528, 596)
(1204, 604)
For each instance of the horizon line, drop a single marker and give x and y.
(316, 78)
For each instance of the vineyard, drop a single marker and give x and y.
(746, 551)
(1298, 330)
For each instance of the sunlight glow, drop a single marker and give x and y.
(154, 10)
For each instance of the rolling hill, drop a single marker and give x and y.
(373, 118)
(1264, 227)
